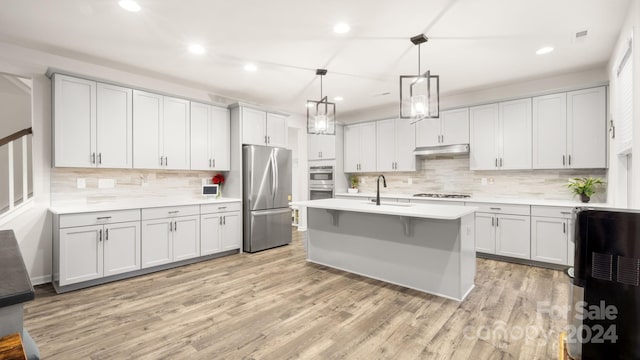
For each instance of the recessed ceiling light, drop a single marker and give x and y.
(197, 49)
(341, 28)
(250, 68)
(338, 98)
(129, 5)
(544, 50)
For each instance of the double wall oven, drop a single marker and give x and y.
(321, 182)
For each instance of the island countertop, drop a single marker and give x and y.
(15, 286)
(443, 212)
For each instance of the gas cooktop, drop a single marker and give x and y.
(448, 196)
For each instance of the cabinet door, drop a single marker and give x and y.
(147, 119)
(428, 132)
(405, 145)
(313, 147)
(201, 129)
(455, 126)
(121, 248)
(114, 144)
(220, 138)
(277, 131)
(156, 242)
(386, 144)
(351, 148)
(231, 231)
(549, 240)
(321, 147)
(176, 133)
(587, 128)
(485, 233)
(513, 236)
(549, 127)
(515, 137)
(74, 125)
(186, 237)
(210, 234)
(368, 157)
(254, 127)
(483, 130)
(81, 254)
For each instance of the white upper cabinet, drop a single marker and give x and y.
(147, 130)
(550, 131)
(114, 138)
(587, 128)
(262, 128)
(500, 135)
(321, 147)
(92, 124)
(395, 145)
(360, 147)
(569, 130)
(210, 137)
(161, 136)
(451, 128)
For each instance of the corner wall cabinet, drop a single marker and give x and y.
(96, 247)
(500, 136)
(394, 145)
(92, 124)
(360, 148)
(210, 137)
(263, 128)
(570, 130)
(160, 132)
(452, 128)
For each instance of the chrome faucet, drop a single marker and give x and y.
(384, 182)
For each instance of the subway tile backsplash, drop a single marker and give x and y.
(451, 174)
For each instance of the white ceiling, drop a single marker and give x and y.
(473, 43)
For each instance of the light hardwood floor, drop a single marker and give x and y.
(273, 305)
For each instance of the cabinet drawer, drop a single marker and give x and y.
(99, 218)
(221, 207)
(501, 208)
(552, 211)
(170, 211)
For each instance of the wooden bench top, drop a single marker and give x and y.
(11, 348)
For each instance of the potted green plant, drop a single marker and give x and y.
(585, 187)
(354, 181)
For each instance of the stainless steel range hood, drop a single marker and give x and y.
(439, 150)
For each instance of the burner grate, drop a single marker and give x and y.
(446, 196)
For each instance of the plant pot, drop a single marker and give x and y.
(584, 198)
(352, 191)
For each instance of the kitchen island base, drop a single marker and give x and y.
(435, 256)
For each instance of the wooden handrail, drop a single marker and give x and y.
(15, 135)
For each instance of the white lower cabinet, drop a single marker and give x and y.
(174, 237)
(485, 233)
(503, 229)
(220, 228)
(552, 235)
(91, 246)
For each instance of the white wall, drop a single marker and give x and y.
(630, 28)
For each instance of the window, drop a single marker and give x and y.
(16, 172)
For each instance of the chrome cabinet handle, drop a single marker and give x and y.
(268, 139)
(222, 207)
(565, 212)
(174, 212)
(224, 220)
(93, 158)
(569, 159)
(209, 162)
(496, 162)
(103, 218)
(214, 162)
(100, 235)
(166, 161)
(160, 160)
(495, 208)
(564, 228)
(492, 221)
(106, 234)
(265, 139)
(497, 221)
(563, 160)
(500, 162)
(99, 158)
(175, 225)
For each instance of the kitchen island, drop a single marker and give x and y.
(430, 248)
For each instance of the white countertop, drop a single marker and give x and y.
(519, 201)
(443, 212)
(73, 207)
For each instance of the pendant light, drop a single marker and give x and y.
(321, 115)
(419, 94)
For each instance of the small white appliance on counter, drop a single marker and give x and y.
(210, 190)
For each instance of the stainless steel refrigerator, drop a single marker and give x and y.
(266, 195)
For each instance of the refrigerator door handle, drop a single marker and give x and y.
(273, 176)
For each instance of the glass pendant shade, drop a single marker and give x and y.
(321, 117)
(419, 96)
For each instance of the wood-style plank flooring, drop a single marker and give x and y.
(274, 305)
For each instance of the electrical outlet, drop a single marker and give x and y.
(409, 181)
(81, 183)
(490, 181)
(483, 181)
(362, 181)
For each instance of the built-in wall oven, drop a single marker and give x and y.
(321, 182)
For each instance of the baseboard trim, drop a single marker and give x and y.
(39, 280)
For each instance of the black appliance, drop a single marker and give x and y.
(605, 301)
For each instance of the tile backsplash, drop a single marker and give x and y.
(451, 174)
(127, 183)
